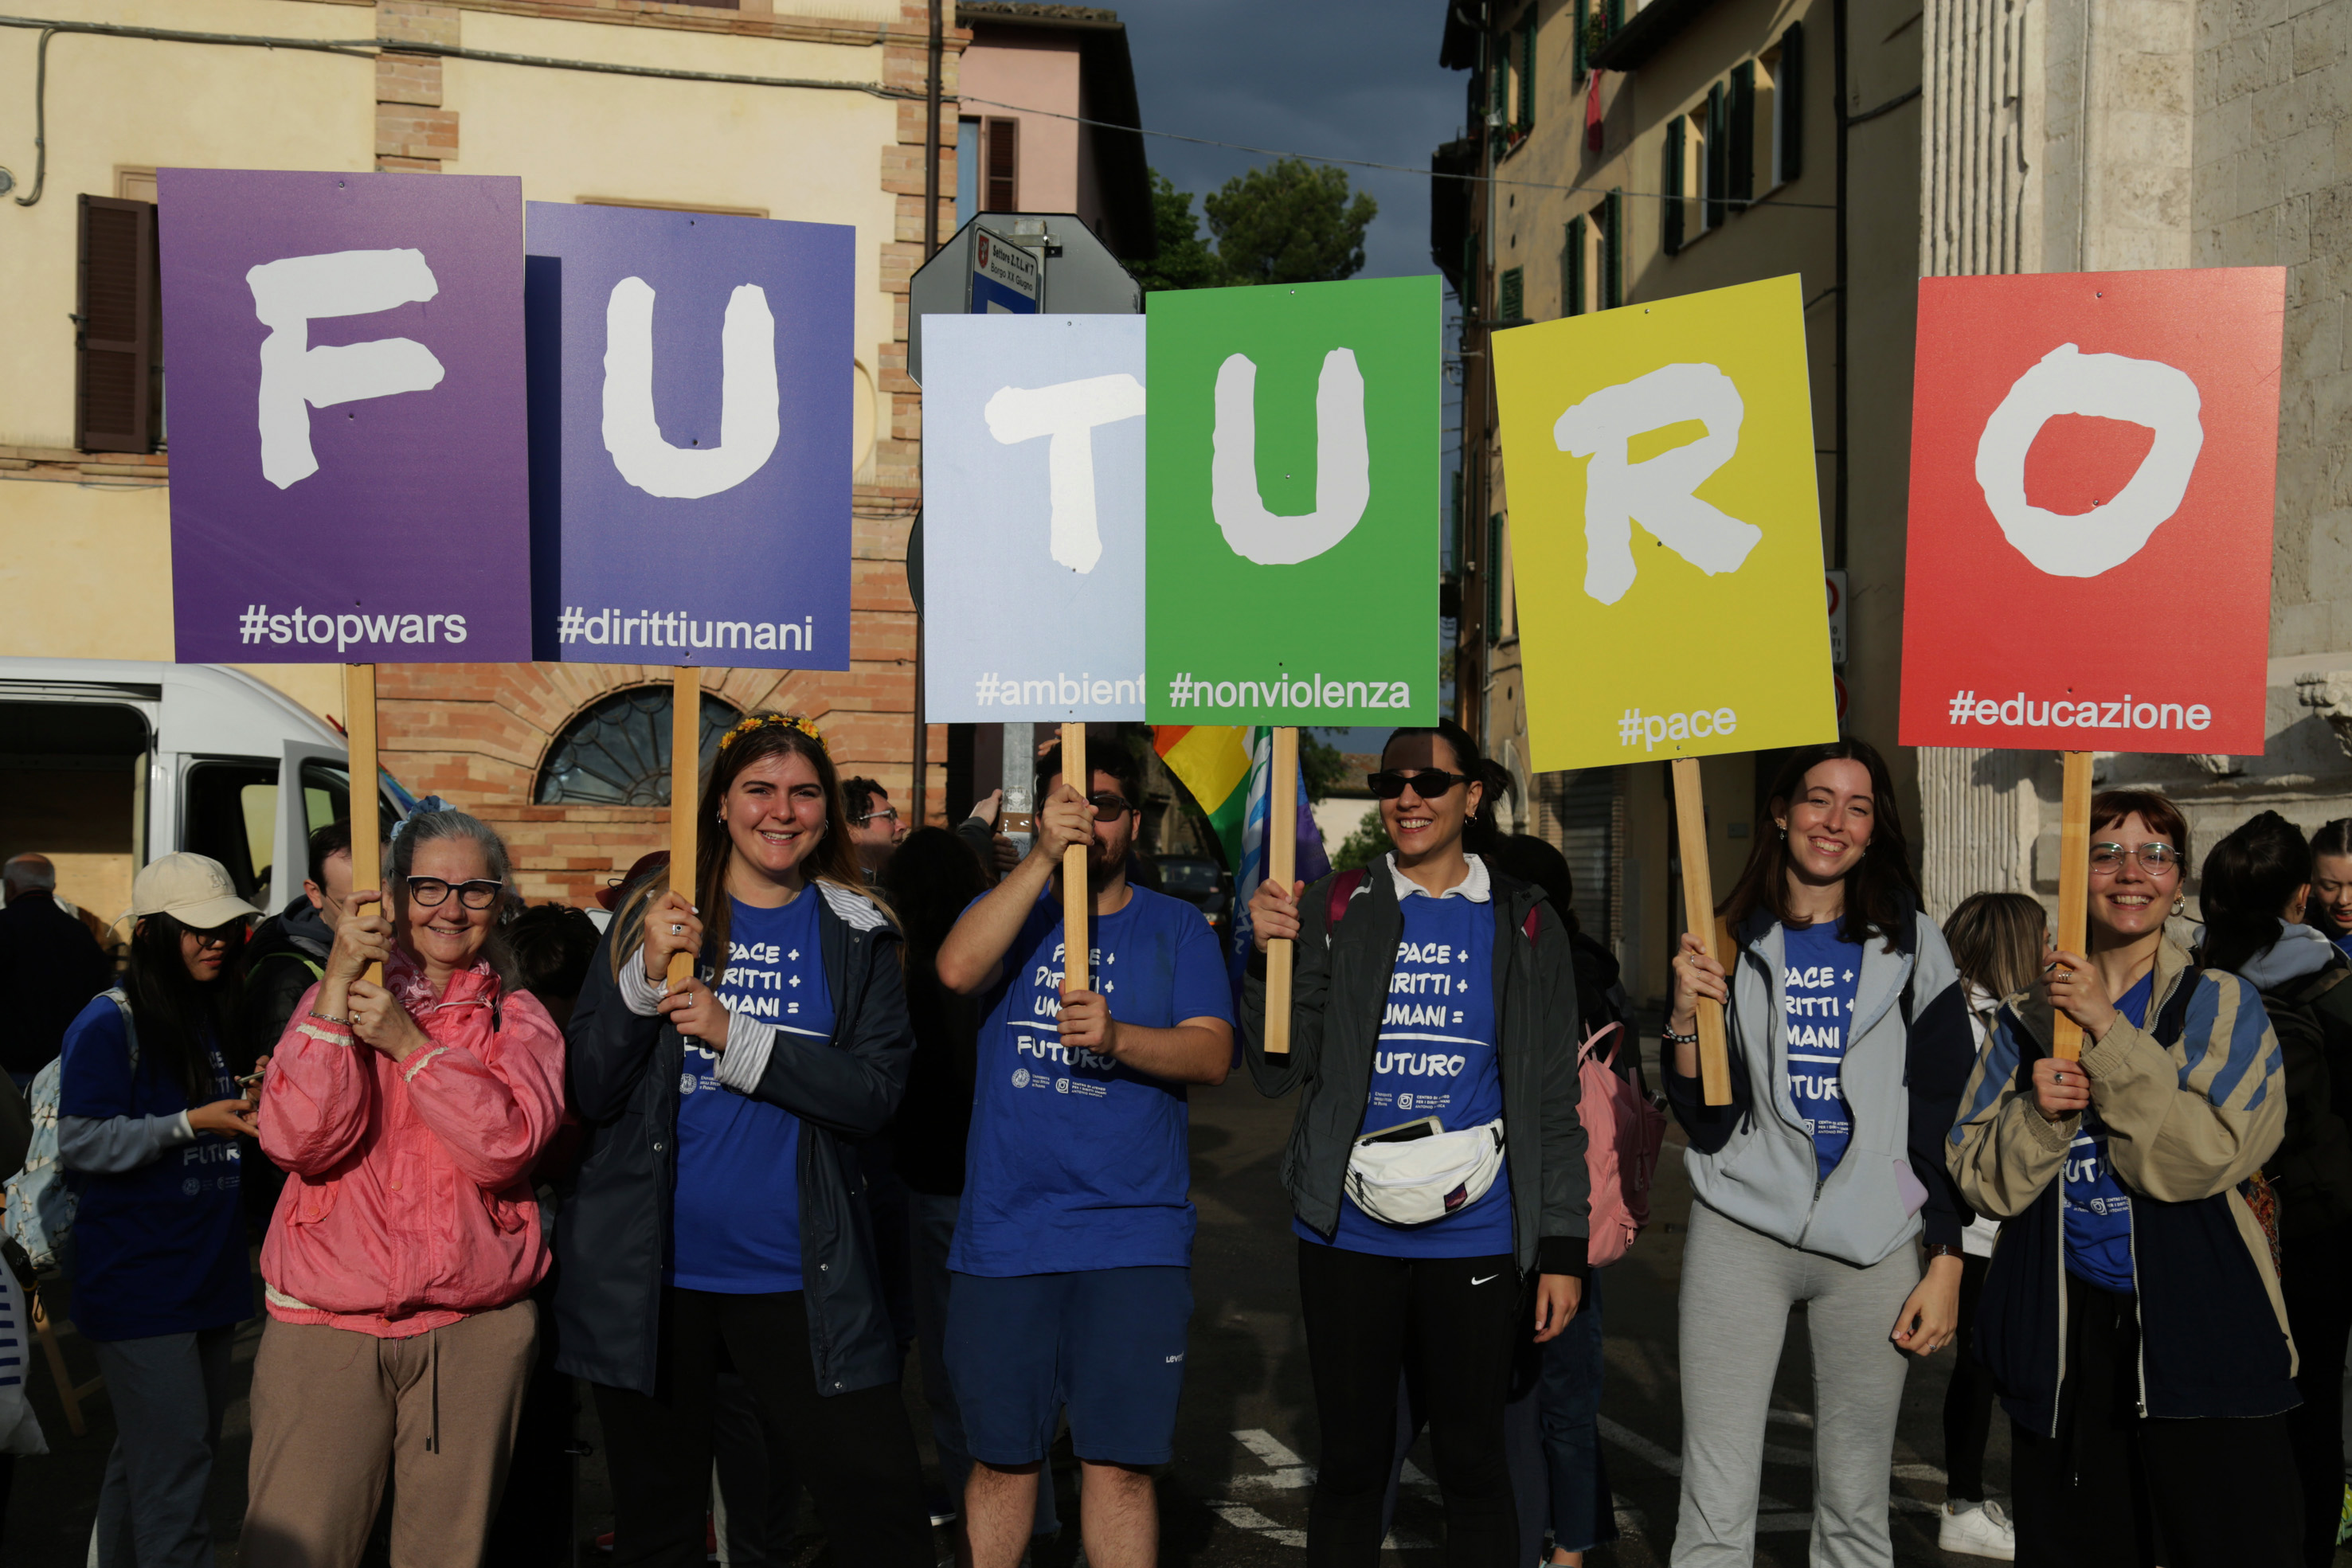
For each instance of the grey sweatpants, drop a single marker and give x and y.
(168, 1394)
(1737, 1287)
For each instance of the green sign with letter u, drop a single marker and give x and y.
(1293, 456)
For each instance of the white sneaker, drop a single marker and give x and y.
(1981, 1530)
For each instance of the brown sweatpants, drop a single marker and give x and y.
(334, 1410)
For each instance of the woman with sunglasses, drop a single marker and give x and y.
(148, 1119)
(2132, 1315)
(717, 1222)
(1436, 1167)
(408, 1113)
(1847, 1026)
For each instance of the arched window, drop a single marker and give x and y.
(617, 752)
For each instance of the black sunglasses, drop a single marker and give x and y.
(1430, 783)
(1109, 808)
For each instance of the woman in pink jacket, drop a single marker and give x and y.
(399, 1269)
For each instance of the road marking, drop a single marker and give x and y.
(1641, 1448)
(1262, 1443)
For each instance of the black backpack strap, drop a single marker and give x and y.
(2174, 1018)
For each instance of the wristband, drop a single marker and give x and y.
(1671, 1038)
(1942, 1249)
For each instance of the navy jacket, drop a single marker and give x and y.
(613, 1231)
(2194, 1104)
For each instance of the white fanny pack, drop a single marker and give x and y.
(1414, 1182)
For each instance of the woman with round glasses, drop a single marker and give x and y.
(2131, 1314)
(1436, 1167)
(409, 1112)
(1822, 1181)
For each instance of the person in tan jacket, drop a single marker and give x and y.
(2131, 1314)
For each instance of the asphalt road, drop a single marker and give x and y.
(1237, 1495)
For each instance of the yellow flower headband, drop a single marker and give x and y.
(766, 720)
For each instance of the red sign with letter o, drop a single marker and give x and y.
(2093, 468)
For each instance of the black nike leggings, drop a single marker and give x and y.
(1450, 1325)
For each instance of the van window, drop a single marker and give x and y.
(72, 785)
(230, 813)
(327, 796)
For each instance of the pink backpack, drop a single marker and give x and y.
(1623, 1131)
(1623, 1127)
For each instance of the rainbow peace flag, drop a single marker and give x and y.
(1213, 761)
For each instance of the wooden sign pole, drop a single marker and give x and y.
(2074, 885)
(1281, 863)
(685, 782)
(367, 827)
(1698, 918)
(1078, 891)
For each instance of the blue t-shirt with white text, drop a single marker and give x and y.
(2096, 1209)
(1817, 979)
(1077, 1161)
(736, 1214)
(1435, 1057)
(158, 1249)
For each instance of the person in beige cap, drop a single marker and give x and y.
(147, 1124)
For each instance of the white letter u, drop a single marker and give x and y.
(1343, 465)
(748, 420)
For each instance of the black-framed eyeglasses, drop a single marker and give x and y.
(2152, 857)
(1108, 806)
(1429, 783)
(431, 891)
(879, 813)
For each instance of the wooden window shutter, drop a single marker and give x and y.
(1573, 270)
(1511, 296)
(1528, 74)
(1003, 192)
(1576, 24)
(1671, 207)
(1742, 187)
(1788, 103)
(114, 347)
(1612, 252)
(1717, 178)
(1616, 15)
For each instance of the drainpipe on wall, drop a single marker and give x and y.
(930, 248)
(1838, 437)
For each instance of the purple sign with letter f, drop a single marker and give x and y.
(350, 478)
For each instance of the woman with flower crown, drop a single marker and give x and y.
(717, 1223)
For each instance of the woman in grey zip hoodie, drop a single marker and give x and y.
(1848, 1046)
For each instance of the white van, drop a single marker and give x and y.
(106, 763)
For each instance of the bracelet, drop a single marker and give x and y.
(1671, 1038)
(328, 1018)
(1942, 1249)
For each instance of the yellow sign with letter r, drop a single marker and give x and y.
(1666, 529)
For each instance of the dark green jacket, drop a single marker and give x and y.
(1339, 991)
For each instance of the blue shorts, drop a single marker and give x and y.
(1108, 1343)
